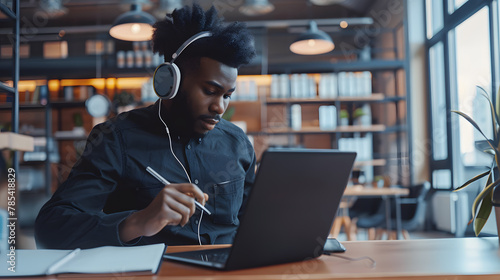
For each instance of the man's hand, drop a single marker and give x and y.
(174, 205)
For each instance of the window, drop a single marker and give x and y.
(453, 5)
(441, 179)
(473, 68)
(434, 15)
(438, 99)
(462, 50)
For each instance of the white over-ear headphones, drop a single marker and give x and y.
(167, 76)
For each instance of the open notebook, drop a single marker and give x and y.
(108, 259)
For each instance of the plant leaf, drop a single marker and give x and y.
(494, 117)
(497, 137)
(483, 213)
(497, 103)
(482, 194)
(497, 157)
(477, 177)
(471, 121)
(489, 151)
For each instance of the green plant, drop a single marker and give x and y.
(344, 114)
(77, 119)
(484, 200)
(358, 113)
(123, 99)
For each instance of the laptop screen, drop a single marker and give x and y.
(291, 207)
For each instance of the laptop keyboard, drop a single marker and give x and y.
(219, 257)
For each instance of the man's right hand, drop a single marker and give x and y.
(174, 205)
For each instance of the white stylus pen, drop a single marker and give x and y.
(165, 182)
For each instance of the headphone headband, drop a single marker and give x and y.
(188, 42)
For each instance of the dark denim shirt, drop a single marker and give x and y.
(109, 182)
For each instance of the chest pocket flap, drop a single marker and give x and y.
(228, 197)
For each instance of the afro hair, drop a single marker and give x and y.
(231, 44)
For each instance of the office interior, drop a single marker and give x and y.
(386, 90)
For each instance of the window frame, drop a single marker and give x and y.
(450, 22)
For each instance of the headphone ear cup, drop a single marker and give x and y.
(166, 80)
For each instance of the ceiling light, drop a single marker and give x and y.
(53, 8)
(134, 25)
(167, 7)
(312, 42)
(256, 7)
(344, 24)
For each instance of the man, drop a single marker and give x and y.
(110, 199)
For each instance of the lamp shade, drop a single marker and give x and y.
(135, 25)
(312, 42)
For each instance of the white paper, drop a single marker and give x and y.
(107, 259)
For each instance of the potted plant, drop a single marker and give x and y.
(78, 124)
(489, 197)
(124, 101)
(344, 117)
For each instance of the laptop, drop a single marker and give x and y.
(289, 212)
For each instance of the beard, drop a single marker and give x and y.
(179, 115)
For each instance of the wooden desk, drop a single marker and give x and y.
(437, 259)
(385, 194)
(462, 258)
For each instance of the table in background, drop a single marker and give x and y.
(454, 258)
(386, 194)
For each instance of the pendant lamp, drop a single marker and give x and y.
(134, 25)
(312, 42)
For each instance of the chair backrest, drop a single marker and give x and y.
(420, 191)
(414, 214)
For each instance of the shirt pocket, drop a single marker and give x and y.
(228, 197)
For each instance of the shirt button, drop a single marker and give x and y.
(189, 147)
(196, 181)
(199, 140)
(196, 221)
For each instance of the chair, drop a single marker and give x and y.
(413, 212)
(368, 213)
(342, 219)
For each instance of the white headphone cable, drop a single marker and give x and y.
(171, 150)
(199, 224)
(170, 141)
